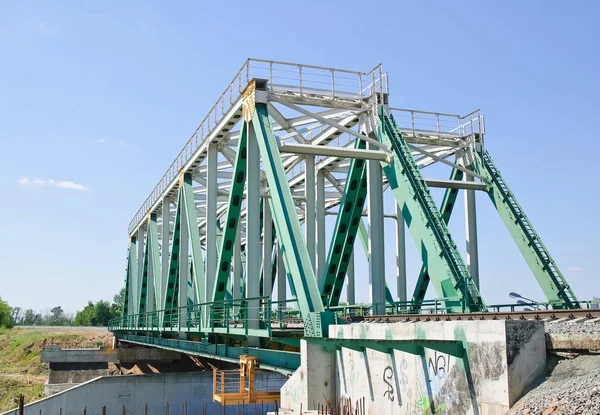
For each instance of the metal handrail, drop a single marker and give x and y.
(232, 94)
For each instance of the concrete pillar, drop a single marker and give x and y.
(267, 249)
(281, 278)
(211, 217)
(471, 232)
(164, 255)
(350, 288)
(320, 210)
(253, 247)
(400, 255)
(320, 364)
(184, 267)
(376, 236)
(309, 208)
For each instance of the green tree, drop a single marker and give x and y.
(119, 300)
(84, 317)
(5, 320)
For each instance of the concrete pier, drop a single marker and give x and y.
(500, 359)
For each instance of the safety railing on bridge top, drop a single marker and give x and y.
(439, 125)
(252, 316)
(283, 77)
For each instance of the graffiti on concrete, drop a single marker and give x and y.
(353, 376)
(438, 369)
(403, 379)
(388, 375)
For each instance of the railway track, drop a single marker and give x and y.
(548, 315)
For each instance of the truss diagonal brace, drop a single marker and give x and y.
(536, 255)
(448, 272)
(128, 307)
(233, 217)
(446, 208)
(344, 232)
(294, 251)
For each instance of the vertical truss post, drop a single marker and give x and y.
(171, 282)
(129, 308)
(287, 226)
(309, 207)
(165, 234)
(141, 236)
(253, 249)
(400, 255)
(471, 232)
(267, 251)
(230, 241)
(448, 272)
(197, 278)
(350, 287)
(376, 236)
(184, 266)
(536, 255)
(281, 278)
(151, 270)
(363, 234)
(446, 208)
(320, 211)
(211, 218)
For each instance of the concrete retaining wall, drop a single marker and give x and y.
(503, 358)
(134, 392)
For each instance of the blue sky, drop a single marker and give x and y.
(98, 98)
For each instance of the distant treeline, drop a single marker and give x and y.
(93, 314)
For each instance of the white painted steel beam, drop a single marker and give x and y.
(376, 236)
(400, 255)
(309, 208)
(457, 184)
(337, 152)
(471, 232)
(320, 212)
(210, 223)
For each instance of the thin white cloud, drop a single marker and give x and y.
(120, 143)
(574, 269)
(62, 184)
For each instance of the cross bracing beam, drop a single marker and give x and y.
(334, 152)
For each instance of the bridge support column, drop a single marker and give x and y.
(320, 211)
(309, 208)
(471, 232)
(281, 279)
(184, 269)
(267, 249)
(376, 236)
(164, 254)
(253, 248)
(400, 255)
(211, 217)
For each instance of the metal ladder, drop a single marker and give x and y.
(463, 282)
(558, 285)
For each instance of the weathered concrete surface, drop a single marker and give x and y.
(503, 357)
(55, 354)
(135, 392)
(146, 354)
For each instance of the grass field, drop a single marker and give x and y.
(21, 371)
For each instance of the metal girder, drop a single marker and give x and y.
(446, 208)
(128, 308)
(413, 346)
(151, 267)
(344, 232)
(456, 184)
(287, 225)
(170, 288)
(233, 218)
(363, 234)
(197, 276)
(334, 152)
(448, 272)
(536, 255)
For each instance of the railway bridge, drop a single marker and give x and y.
(247, 245)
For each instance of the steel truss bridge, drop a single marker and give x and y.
(241, 213)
